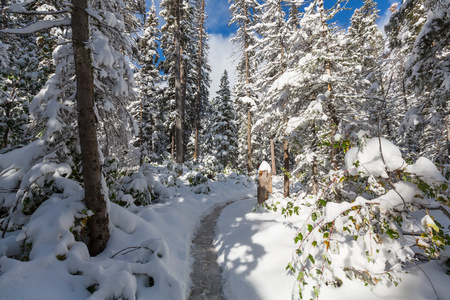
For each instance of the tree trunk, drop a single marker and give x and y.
(264, 186)
(314, 169)
(141, 142)
(448, 139)
(249, 113)
(249, 140)
(179, 143)
(172, 145)
(199, 82)
(286, 167)
(272, 154)
(90, 157)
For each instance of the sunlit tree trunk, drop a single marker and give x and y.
(90, 157)
(272, 155)
(199, 82)
(249, 113)
(179, 142)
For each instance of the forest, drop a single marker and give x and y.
(107, 116)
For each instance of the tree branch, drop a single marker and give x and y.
(38, 26)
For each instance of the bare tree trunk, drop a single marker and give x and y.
(172, 138)
(272, 154)
(286, 192)
(314, 169)
(90, 157)
(264, 186)
(141, 142)
(179, 143)
(448, 139)
(199, 82)
(249, 113)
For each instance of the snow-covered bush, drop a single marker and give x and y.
(380, 225)
(142, 187)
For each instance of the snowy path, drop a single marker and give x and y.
(206, 276)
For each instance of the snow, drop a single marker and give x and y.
(264, 166)
(255, 245)
(161, 234)
(367, 159)
(426, 170)
(148, 254)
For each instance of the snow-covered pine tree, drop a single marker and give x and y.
(242, 15)
(310, 89)
(428, 71)
(184, 112)
(149, 107)
(24, 70)
(362, 47)
(223, 126)
(103, 74)
(167, 67)
(202, 72)
(407, 125)
(272, 45)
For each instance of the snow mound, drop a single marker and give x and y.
(368, 159)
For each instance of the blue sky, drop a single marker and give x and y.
(218, 15)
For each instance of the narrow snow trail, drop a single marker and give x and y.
(206, 276)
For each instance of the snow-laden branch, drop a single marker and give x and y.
(21, 8)
(38, 26)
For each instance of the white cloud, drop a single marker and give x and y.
(384, 19)
(220, 59)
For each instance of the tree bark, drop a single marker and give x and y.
(264, 186)
(179, 143)
(272, 154)
(249, 113)
(286, 192)
(94, 198)
(141, 135)
(199, 82)
(314, 169)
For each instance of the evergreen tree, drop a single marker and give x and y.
(24, 69)
(271, 53)
(202, 71)
(242, 14)
(185, 111)
(148, 110)
(223, 126)
(428, 71)
(104, 85)
(362, 47)
(309, 91)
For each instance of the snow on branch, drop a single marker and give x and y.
(38, 26)
(21, 8)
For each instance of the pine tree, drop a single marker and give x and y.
(104, 84)
(271, 55)
(362, 47)
(148, 110)
(428, 71)
(185, 111)
(202, 72)
(24, 69)
(223, 126)
(309, 91)
(242, 13)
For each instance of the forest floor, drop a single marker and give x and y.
(153, 250)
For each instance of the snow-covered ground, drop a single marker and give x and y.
(148, 255)
(255, 246)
